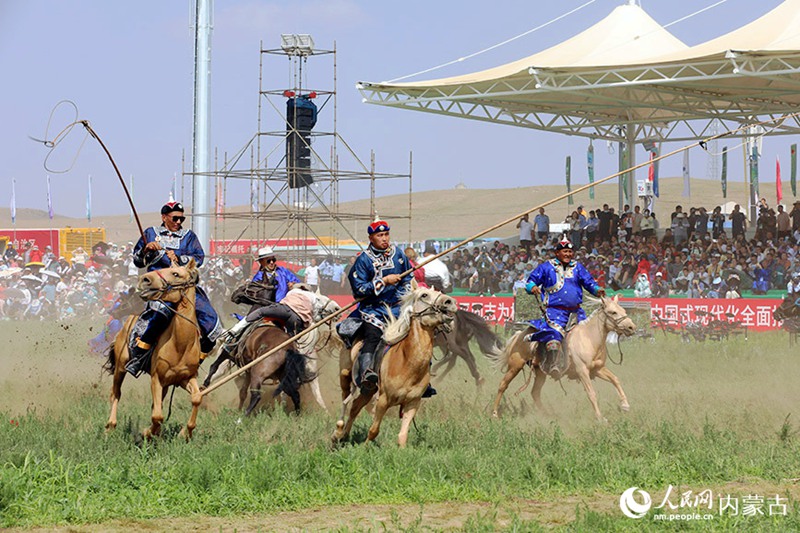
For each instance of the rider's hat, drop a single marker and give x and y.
(169, 207)
(377, 227)
(564, 244)
(265, 252)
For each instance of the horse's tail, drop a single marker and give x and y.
(111, 360)
(500, 359)
(487, 340)
(295, 374)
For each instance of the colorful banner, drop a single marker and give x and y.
(687, 184)
(778, 185)
(754, 174)
(247, 246)
(49, 200)
(568, 170)
(724, 174)
(794, 169)
(623, 164)
(89, 200)
(652, 172)
(590, 167)
(493, 309)
(13, 201)
(753, 313)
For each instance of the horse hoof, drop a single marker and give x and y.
(339, 425)
(495, 414)
(624, 407)
(111, 426)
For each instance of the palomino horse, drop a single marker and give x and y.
(405, 369)
(455, 344)
(585, 345)
(321, 340)
(176, 355)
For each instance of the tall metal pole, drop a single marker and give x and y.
(631, 162)
(201, 144)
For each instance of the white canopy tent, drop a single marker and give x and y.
(628, 79)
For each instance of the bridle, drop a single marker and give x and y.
(167, 288)
(435, 308)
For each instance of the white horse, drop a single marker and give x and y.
(585, 345)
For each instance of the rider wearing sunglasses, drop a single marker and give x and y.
(165, 245)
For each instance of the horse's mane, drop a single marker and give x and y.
(397, 328)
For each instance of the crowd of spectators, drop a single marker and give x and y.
(698, 254)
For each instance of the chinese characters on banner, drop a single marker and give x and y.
(754, 313)
(493, 309)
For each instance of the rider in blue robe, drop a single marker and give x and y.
(163, 245)
(376, 280)
(560, 283)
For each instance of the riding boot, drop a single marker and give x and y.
(429, 391)
(557, 360)
(369, 379)
(233, 333)
(139, 358)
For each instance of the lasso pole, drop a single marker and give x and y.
(327, 319)
(93, 133)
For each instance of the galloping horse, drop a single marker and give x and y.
(405, 368)
(176, 355)
(311, 344)
(287, 366)
(789, 313)
(586, 351)
(455, 344)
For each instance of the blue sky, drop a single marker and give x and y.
(129, 66)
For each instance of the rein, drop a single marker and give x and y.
(616, 322)
(168, 288)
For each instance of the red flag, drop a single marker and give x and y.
(778, 187)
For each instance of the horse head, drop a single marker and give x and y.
(616, 318)
(432, 308)
(324, 307)
(168, 284)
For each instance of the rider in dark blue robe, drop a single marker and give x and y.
(376, 279)
(560, 283)
(162, 246)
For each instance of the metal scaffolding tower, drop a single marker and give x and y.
(300, 221)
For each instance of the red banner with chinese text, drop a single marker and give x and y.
(754, 313)
(495, 310)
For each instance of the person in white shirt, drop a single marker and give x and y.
(525, 232)
(312, 275)
(437, 274)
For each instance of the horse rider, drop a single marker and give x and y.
(560, 283)
(376, 280)
(295, 310)
(271, 274)
(162, 247)
(279, 280)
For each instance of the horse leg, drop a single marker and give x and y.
(607, 375)
(343, 428)
(467, 356)
(380, 410)
(242, 382)
(586, 381)
(409, 410)
(311, 366)
(116, 394)
(255, 394)
(345, 378)
(213, 370)
(515, 364)
(194, 390)
(450, 360)
(536, 392)
(157, 416)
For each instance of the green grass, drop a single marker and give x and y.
(703, 416)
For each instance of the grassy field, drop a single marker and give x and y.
(704, 416)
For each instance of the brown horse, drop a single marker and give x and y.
(586, 352)
(455, 344)
(287, 366)
(176, 355)
(405, 369)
